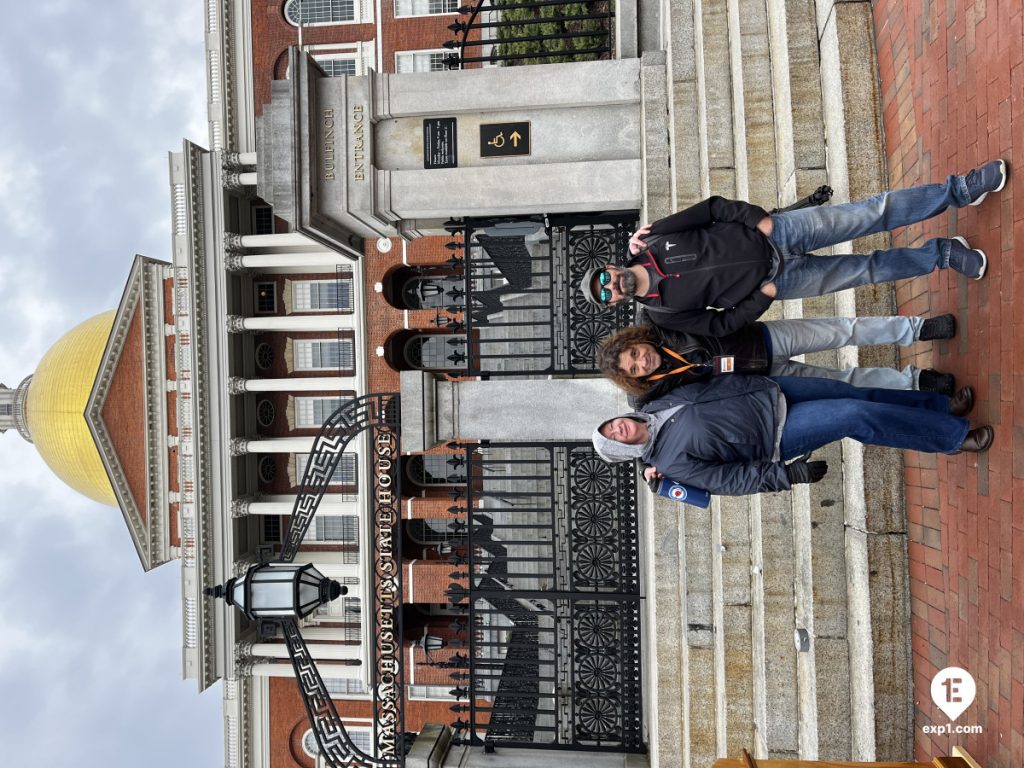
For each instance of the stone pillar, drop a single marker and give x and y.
(436, 411)
(328, 321)
(236, 160)
(238, 385)
(240, 446)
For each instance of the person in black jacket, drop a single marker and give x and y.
(716, 267)
(647, 361)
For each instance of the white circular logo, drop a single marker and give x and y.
(677, 492)
(384, 244)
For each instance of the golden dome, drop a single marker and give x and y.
(55, 408)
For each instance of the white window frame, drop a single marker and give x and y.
(398, 15)
(345, 683)
(346, 351)
(362, 13)
(302, 293)
(413, 54)
(305, 409)
(418, 692)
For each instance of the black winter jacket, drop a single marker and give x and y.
(711, 255)
(724, 438)
(746, 346)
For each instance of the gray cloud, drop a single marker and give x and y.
(90, 656)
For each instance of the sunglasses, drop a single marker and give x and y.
(604, 278)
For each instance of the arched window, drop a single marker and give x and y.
(436, 469)
(320, 11)
(436, 352)
(435, 291)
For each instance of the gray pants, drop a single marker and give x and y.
(797, 337)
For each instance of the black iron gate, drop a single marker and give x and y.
(520, 311)
(551, 592)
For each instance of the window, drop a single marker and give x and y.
(323, 354)
(263, 220)
(430, 292)
(322, 295)
(437, 469)
(438, 352)
(271, 528)
(313, 411)
(337, 67)
(420, 61)
(265, 413)
(429, 691)
(320, 11)
(344, 528)
(345, 686)
(344, 473)
(309, 745)
(266, 298)
(425, 7)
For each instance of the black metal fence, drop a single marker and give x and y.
(511, 32)
(521, 311)
(551, 592)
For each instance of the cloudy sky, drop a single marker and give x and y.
(90, 652)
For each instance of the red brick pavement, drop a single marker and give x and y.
(952, 77)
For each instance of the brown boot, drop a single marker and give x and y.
(962, 402)
(978, 440)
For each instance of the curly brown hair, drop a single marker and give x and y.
(608, 357)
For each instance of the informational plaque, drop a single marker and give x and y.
(504, 139)
(439, 146)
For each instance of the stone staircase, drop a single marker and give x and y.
(768, 100)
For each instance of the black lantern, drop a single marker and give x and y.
(279, 590)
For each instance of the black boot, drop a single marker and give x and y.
(962, 402)
(978, 440)
(941, 327)
(931, 380)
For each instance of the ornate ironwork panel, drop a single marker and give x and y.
(552, 594)
(514, 32)
(337, 431)
(335, 745)
(520, 311)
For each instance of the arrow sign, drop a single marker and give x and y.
(504, 139)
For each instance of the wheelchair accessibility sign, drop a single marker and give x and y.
(504, 139)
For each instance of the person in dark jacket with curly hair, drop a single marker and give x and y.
(647, 361)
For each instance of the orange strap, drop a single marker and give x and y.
(686, 365)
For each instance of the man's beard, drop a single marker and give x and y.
(627, 283)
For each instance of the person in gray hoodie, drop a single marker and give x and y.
(732, 435)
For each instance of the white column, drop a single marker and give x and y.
(319, 259)
(237, 385)
(327, 507)
(247, 158)
(324, 651)
(247, 179)
(240, 446)
(333, 671)
(279, 240)
(328, 321)
(311, 634)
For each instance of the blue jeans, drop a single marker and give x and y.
(797, 233)
(789, 338)
(821, 411)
